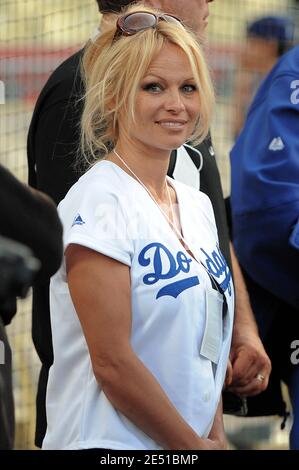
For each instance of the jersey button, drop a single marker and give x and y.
(207, 397)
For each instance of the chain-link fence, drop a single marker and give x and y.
(35, 37)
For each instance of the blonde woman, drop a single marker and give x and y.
(142, 307)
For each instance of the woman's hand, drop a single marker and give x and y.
(210, 444)
(229, 375)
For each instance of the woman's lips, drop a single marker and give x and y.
(171, 124)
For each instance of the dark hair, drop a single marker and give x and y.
(277, 28)
(107, 6)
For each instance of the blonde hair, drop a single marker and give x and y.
(112, 71)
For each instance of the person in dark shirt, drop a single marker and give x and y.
(53, 143)
(30, 218)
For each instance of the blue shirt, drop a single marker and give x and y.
(265, 183)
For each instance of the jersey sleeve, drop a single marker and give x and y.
(281, 162)
(97, 220)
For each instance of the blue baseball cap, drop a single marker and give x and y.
(279, 28)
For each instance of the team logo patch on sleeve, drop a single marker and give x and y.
(78, 220)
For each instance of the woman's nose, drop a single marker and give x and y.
(174, 101)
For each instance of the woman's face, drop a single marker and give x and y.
(167, 102)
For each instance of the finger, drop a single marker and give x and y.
(248, 365)
(243, 369)
(242, 377)
(229, 375)
(262, 368)
(251, 389)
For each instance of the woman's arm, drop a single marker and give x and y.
(217, 433)
(248, 356)
(101, 292)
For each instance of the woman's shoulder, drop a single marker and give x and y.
(103, 180)
(106, 172)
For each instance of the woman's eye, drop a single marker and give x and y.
(153, 87)
(189, 88)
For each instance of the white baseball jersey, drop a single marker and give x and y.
(107, 210)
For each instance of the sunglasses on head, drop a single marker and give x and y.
(133, 23)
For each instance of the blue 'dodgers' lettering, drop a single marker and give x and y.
(153, 253)
(176, 288)
(217, 266)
